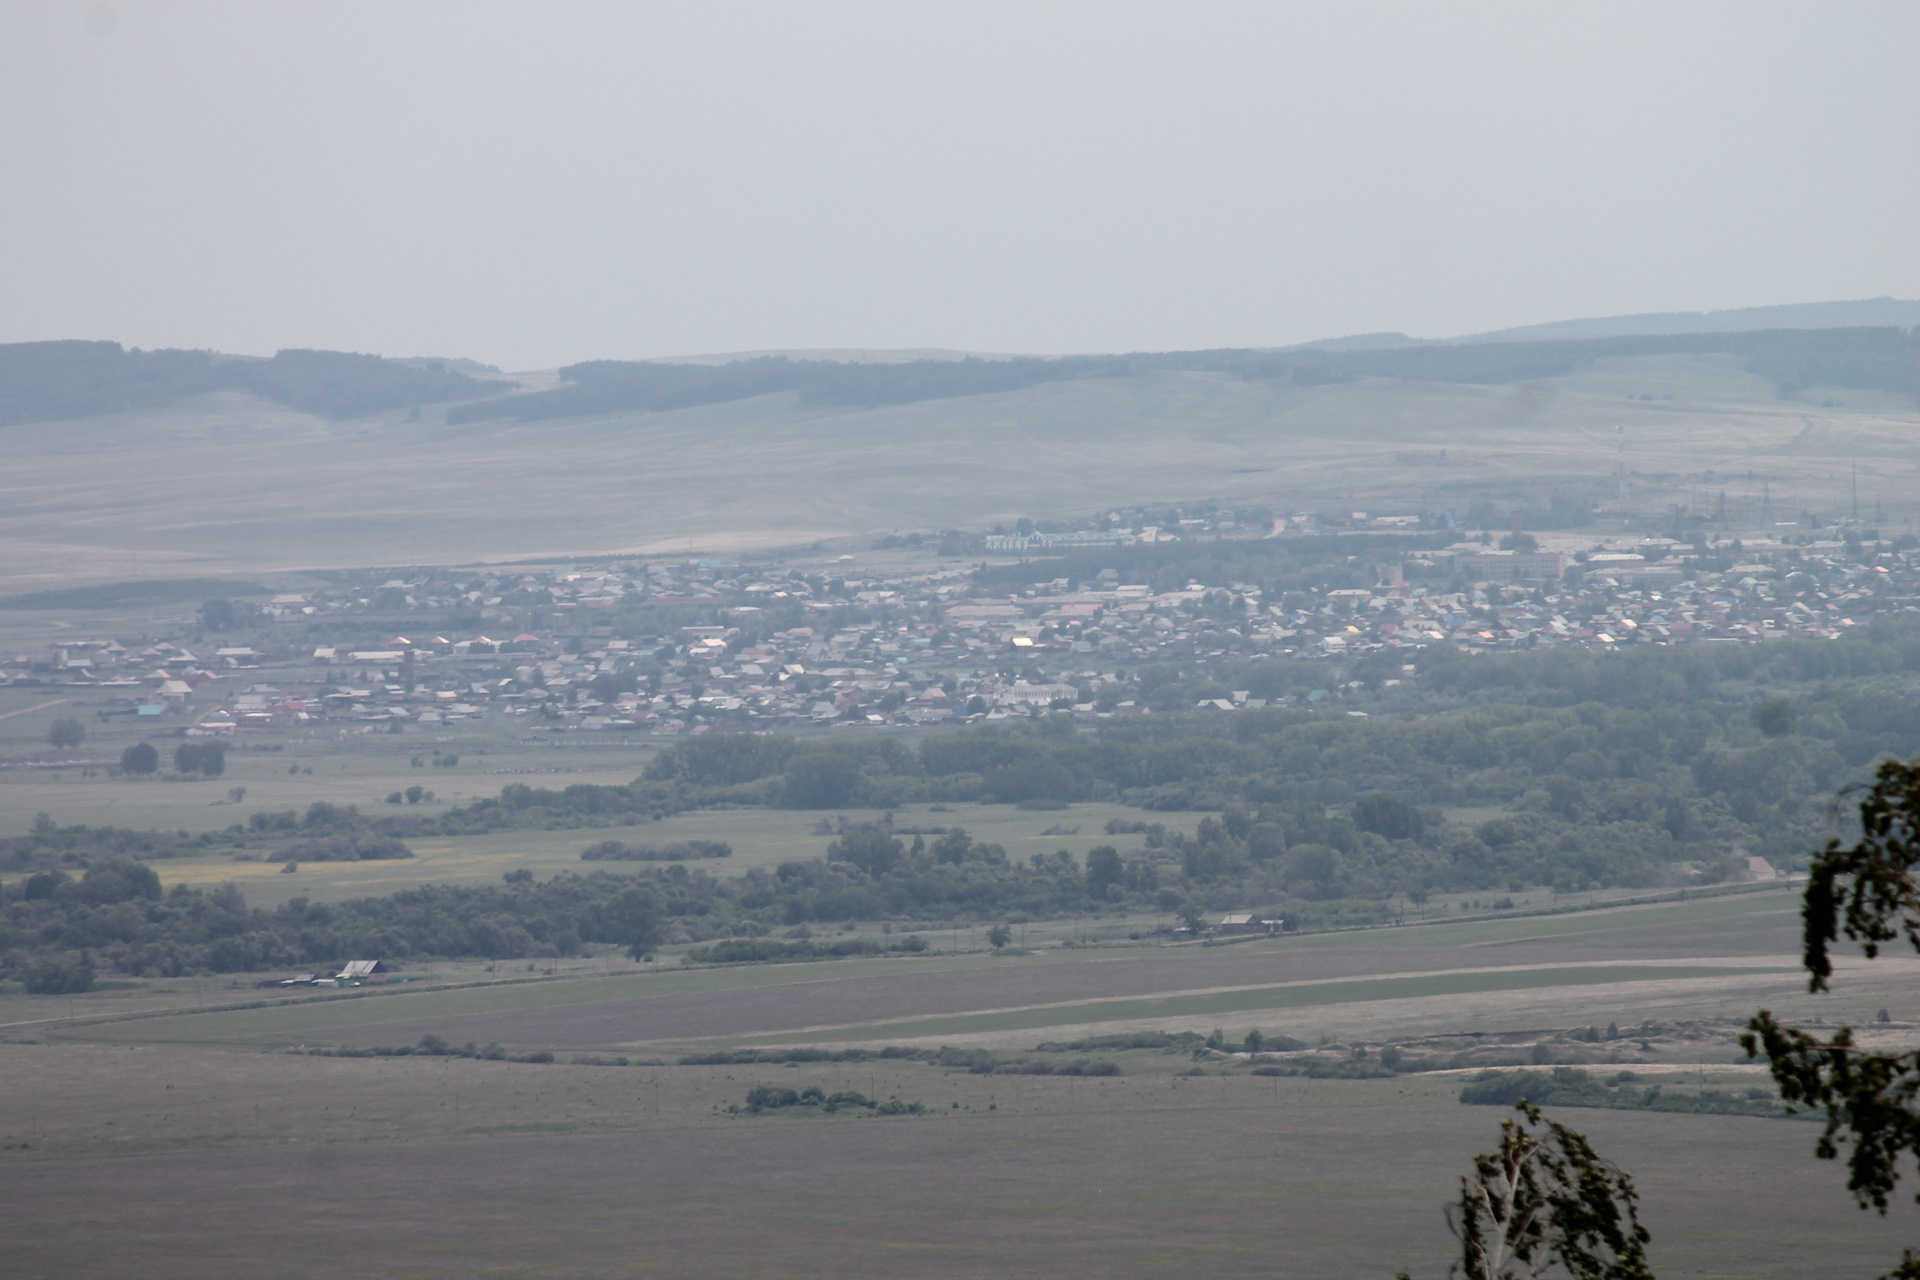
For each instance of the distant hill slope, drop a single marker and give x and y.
(1868, 312)
(49, 381)
(232, 484)
(1882, 359)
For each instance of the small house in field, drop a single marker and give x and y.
(1761, 869)
(363, 971)
(1241, 922)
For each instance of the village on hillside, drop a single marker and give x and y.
(828, 642)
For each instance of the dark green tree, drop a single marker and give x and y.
(1104, 869)
(1389, 816)
(1872, 1100)
(140, 758)
(66, 732)
(1774, 718)
(820, 780)
(869, 848)
(999, 936)
(209, 758)
(634, 919)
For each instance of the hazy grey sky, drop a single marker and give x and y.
(530, 184)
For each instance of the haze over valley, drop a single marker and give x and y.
(945, 640)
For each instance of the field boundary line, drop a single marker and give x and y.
(27, 711)
(1753, 964)
(287, 1002)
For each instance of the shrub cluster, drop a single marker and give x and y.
(1571, 1087)
(768, 1097)
(675, 851)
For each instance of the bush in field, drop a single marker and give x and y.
(66, 732)
(353, 848)
(51, 976)
(140, 758)
(772, 1097)
(677, 851)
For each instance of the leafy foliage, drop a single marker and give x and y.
(1572, 1087)
(674, 851)
(1872, 1099)
(1543, 1198)
(209, 758)
(116, 916)
(765, 950)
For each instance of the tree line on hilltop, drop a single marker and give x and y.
(47, 381)
(1882, 358)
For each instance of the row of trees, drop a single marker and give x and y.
(57, 929)
(206, 758)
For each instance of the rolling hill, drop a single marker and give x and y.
(617, 457)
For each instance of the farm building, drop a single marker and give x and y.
(363, 971)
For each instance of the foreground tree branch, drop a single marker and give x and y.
(1546, 1198)
(1868, 893)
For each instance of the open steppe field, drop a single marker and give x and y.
(1690, 960)
(207, 1143)
(1117, 1178)
(235, 485)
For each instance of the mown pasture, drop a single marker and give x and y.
(1123, 1177)
(213, 1143)
(1609, 954)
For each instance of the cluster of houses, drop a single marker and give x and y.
(822, 643)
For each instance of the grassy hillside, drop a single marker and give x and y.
(49, 381)
(229, 482)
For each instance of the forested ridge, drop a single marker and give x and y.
(48, 381)
(1881, 358)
